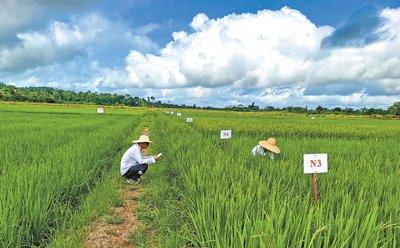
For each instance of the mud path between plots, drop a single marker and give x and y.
(114, 229)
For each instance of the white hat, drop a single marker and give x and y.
(142, 139)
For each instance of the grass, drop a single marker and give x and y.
(114, 219)
(117, 202)
(140, 237)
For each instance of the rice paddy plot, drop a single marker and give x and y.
(232, 199)
(49, 162)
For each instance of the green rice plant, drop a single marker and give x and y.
(47, 171)
(227, 198)
(204, 192)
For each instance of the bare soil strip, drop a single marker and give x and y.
(106, 234)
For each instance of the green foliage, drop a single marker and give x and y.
(395, 109)
(50, 95)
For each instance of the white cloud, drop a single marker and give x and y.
(149, 28)
(60, 42)
(378, 61)
(267, 49)
(262, 49)
(15, 14)
(18, 14)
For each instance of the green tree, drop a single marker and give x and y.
(395, 109)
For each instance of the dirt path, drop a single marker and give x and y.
(113, 230)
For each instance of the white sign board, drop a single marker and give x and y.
(100, 110)
(172, 113)
(178, 114)
(225, 134)
(189, 120)
(315, 163)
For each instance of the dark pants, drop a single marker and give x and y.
(133, 172)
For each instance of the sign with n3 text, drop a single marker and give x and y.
(226, 134)
(178, 114)
(315, 163)
(189, 120)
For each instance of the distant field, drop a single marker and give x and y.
(204, 193)
(51, 156)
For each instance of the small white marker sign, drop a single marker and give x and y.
(100, 110)
(172, 113)
(178, 114)
(189, 120)
(226, 134)
(315, 163)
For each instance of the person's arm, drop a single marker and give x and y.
(137, 155)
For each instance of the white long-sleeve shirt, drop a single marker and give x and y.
(133, 156)
(258, 150)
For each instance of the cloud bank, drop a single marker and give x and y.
(271, 48)
(270, 57)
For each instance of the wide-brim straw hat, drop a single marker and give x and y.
(270, 144)
(143, 139)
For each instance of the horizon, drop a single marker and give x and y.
(193, 106)
(280, 54)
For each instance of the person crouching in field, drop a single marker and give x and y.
(133, 163)
(268, 148)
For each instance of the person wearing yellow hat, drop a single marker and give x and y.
(133, 163)
(267, 147)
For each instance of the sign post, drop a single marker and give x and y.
(225, 135)
(100, 110)
(314, 164)
(178, 114)
(189, 120)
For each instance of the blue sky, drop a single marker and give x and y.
(219, 53)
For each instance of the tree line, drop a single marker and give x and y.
(51, 95)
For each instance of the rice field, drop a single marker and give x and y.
(224, 197)
(204, 192)
(51, 158)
